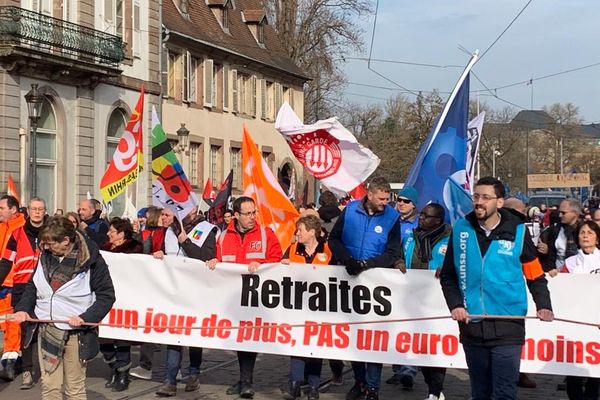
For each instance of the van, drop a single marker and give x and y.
(548, 198)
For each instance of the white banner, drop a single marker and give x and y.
(189, 305)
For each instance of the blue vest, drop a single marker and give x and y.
(366, 236)
(437, 253)
(406, 227)
(494, 284)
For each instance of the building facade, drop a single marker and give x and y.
(89, 59)
(224, 68)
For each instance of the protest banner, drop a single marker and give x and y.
(321, 311)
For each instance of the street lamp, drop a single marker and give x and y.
(494, 154)
(34, 108)
(183, 135)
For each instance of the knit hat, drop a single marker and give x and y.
(410, 193)
(142, 212)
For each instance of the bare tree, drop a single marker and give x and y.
(318, 34)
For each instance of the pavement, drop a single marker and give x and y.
(220, 369)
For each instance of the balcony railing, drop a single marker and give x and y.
(24, 28)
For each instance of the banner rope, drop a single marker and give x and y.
(9, 317)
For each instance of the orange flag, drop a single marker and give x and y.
(128, 159)
(11, 188)
(275, 210)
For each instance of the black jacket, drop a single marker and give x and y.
(97, 228)
(491, 332)
(102, 286)
(549, 236)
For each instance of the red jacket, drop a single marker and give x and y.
(260, 244)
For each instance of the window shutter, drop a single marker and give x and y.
(291, 101)
(166, 72)
(225, 87)
(234, 90)
(185, 72)
(137, 34)
(192, 81)
(109, 19)
(263, 98)
(253, 96)
(208, 83)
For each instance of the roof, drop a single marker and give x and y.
(532, 119)
(201, 25)
(253, 15)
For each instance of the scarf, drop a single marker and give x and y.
(424, 242)
(58, 272)
(53, 341)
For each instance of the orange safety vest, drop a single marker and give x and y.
(6, 229)
(25, 258)
(321, 258)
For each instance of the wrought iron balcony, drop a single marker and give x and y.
(28, 30)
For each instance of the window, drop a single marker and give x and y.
(269, 159)
(116, 126)
(216, 164)
(194, 149)
(113, 16)
(288, 95)
(235, 154)
(225, 17)
(260, 33)
(209, 78)
(45, 148)
(190, 64)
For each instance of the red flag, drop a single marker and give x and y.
(207, 195)
(128, 159)
(219, 205)
(11, 188)
(275, 210)
(358, 192)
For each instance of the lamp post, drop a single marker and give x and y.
(183, 135)
(494, 154)
(34, 109)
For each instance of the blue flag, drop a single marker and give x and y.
(443, 154)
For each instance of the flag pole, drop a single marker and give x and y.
(462, 78)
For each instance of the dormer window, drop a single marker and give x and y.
(220, 9)
(183, 7)
(256, 21)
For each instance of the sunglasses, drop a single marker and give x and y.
(405, 201)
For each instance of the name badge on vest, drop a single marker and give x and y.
(197, 234)
(378, 229)
(255, 245)
(322, 257)
(506, 247)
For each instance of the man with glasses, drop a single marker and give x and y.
(406, 205)
(425, 248)
(489, 261)
(10, 220)
(367, 235)
(558, 242)
(245, 241)
(20, 257)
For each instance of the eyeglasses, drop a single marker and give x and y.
(565, 212)
(37, 209)
(249, 213)
(483, 197)
(425, 216)
(405, 201)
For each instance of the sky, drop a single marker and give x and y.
(550, 36)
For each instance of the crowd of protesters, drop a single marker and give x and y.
(55, 262)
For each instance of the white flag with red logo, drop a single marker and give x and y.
(327, 150)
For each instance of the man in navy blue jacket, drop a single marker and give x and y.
(490, 263)
(367, 235)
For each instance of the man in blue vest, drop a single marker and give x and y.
(367, 235)
(489, 261)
